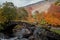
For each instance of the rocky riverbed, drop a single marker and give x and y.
(32, 33)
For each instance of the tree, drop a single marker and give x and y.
(7, 13)
(57, 3)
(43, 21)
(22, 14)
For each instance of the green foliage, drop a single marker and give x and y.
(1, 27)
(22, 13)
(7, 13)
(18, 27)
(34, 16)
(42, 21)
(56, 30)
(57, 3)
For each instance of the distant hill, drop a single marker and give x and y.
(52, 16)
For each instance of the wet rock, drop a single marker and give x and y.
(1, 35)
(31, 32)
(31, 38)
(24, 39)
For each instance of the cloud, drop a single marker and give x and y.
(21, 3)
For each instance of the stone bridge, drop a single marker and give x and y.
(47, 33)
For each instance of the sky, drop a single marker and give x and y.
(20, 3)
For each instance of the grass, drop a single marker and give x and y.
(56, 30)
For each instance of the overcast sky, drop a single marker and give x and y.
(21, 3)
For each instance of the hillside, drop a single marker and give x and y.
(53, 15)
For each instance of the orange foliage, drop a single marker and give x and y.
(53, 15)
